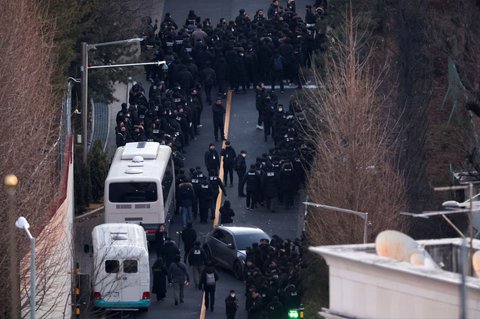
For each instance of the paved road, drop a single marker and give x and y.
(243, 135)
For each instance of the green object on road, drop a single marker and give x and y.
(293, 313)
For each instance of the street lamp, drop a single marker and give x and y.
(362, 215)
(84, 68)
(10, 182)
(467, 208)
(23, 224)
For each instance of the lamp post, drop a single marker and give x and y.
(466, 207)
(84, 69)
(23, 224)
(11, 181)
(362, 215)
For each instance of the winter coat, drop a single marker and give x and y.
(186, 194)
(203, 278)
(218, 111)
(177, 273)
(226, 215)
(197, 256)
(212, 160)
(160, 273)
(229, 155)
(169, 251)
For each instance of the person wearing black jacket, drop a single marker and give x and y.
(218, 125)
(208, 282)
(212, 160)
(204, 200)
(231, 305)
(160, 273)
(169, 251)
(160, 236)
(186, 198)
(189, 236)
(209, 78)
(252, 180)
(241, 168)
(270, 182)
(268, 112)
(197, 260)
(215, 183)
(221, 74)
(228, 154)
(226, 213)
(259, 103)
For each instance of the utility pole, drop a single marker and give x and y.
(84, 70)
(10, 182)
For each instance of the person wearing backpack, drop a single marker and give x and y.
(278, 68)
(178, 277)
(208, 282)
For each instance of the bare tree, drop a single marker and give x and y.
(29, 129)
(348, 122)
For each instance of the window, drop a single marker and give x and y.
(245, 240)
(167, 181)
(228, 239)
(112, 266)
(223, 236)
(130, 266)
(133, 192)
(218, 234)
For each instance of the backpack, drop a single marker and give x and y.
(210, 278)
(278, 63)
(238, 162)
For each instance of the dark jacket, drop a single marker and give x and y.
(231, 305)
(186, 194)
(229, 155)
(252, 179)
(169, 251)
(197, 256)
(189, 236)
(212, 160)
(226, 215)
(209, 78)
(218, 112)
(203, 278)
(240, 164)
(160, 273)
(177, 272)
(215, 183)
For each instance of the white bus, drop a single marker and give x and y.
(140, 186)
(121, 278)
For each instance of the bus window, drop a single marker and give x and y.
(167, 181)
(133, 192)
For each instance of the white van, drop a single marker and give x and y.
(121, 272)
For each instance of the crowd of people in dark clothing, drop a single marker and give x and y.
(200, 57)
(272, 279)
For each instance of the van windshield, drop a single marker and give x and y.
(133, 192)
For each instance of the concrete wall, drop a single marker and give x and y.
(366, 291)
(54, 255)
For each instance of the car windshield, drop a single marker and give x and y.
(245, 240)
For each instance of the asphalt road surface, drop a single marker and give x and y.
(243, 135)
